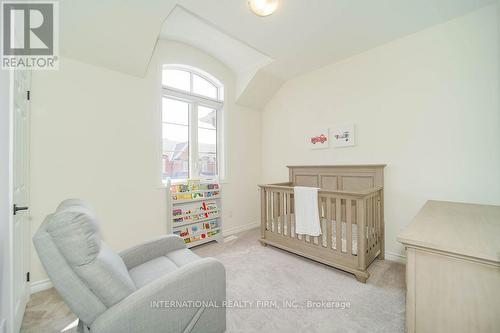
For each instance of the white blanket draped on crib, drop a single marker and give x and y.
(306, 211)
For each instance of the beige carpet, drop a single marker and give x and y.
(256, 274)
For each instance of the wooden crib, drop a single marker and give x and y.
(349, 194)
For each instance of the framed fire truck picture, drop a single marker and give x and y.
(319, 139)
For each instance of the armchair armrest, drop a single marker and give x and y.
(152, 249)
(168, 304)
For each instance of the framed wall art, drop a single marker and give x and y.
(343, 135)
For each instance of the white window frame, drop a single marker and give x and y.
(194, 101)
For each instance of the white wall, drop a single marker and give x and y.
(426, 105)
(498, 45)
(96, 135)
(5, 203)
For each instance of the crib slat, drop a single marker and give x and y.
(360, 216)
(269, 211)
(378, 218)
(377, 215)
(322, 238)
(374, 208)
(374, 213)
(322, 223)
(282, 213)
(369, 219)
(338, 223)
(277, 218)
(275, 211)
(372, 224)
(266, 203)
(263, 213)
(372, 230)
(348, 225)
(292, 215)
(329, 222)
(287, 214)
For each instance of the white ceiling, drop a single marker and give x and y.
(301, 36)
(307, 34)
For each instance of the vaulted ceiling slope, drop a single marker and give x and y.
(245, 61)
(301, 36)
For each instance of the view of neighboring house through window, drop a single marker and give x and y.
(191, 116)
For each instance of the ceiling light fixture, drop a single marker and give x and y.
(263, 7)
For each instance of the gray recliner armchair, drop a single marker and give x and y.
(158, 286)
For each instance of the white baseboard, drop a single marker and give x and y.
(40, 286)
(240, 228)
(392, 256)
(3, 326)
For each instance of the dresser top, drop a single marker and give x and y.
(465, 229)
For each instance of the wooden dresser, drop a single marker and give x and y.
(453, 268)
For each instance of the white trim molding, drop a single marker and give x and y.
(40, 286)
(397, 257)
(240, 228)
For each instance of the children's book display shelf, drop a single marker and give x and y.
(194, 211)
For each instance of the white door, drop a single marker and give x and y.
(21, 231)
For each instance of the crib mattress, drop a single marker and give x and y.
(344, 237)
(323, 239)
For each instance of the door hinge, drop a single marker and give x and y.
(16, 208)
(28, 95)
(27, 276)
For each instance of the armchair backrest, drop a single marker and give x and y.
(88, 275)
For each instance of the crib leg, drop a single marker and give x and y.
(362, 277)
(381, 255)
(262, 243)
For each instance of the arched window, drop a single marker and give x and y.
(192, 102)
